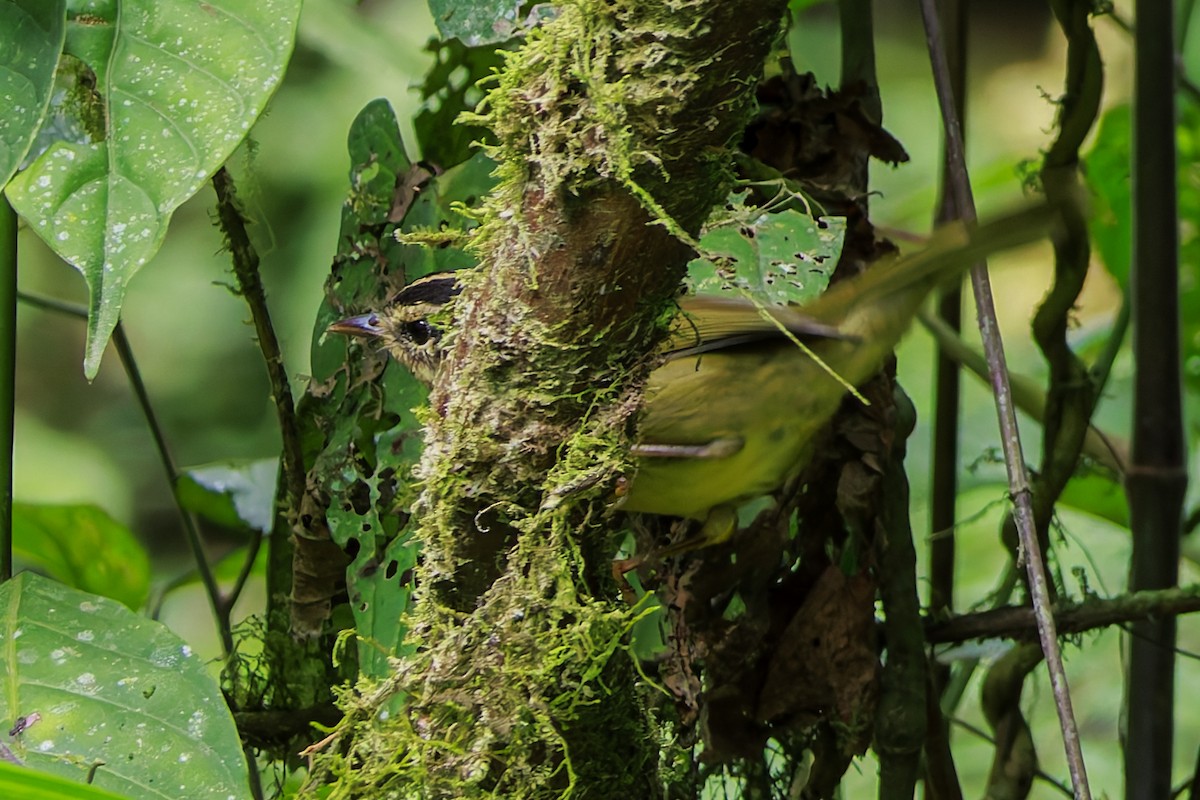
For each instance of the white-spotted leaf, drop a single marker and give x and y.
(31, 37)
(480, 22)
(166, 89)
(100, 685)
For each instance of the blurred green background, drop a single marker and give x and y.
(190, 334)
(77, 442)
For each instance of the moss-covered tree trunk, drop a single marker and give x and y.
(613, 122)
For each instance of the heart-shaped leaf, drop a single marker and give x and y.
(156, 94)
(109, 687)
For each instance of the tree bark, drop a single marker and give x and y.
(613, 122)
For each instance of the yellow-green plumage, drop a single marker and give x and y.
(749, 399)
(742, 419)
(733, 411)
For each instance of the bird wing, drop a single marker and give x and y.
(706, 323)
(892, 289)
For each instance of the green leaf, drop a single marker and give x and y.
(796, 6)
(342, 411)
(436, 208)
(1111, 225)
(164, 91)
(378, 163)
(116, 688)
(479, 22)
(379, 587)
(359, 513)
(1107, 169)
(22, 783)
(1189, 244)
(31, 37)
(83, 547)
(1098, 495)
(450, 88)
(784, 257)
(359, 428)
(236, 494)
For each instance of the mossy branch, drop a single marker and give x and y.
(1017, 622)
(250, 287)
(1073, 391)
(612, 123)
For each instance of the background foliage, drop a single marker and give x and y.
(83, 445)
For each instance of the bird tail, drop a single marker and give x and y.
(951, 251)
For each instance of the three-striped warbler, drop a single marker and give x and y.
(743, 389)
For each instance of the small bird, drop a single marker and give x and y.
(743, 389)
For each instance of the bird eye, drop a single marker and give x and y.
(420, 331)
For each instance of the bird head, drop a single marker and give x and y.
(404, 326)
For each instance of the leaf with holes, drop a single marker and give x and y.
(152, 96)
(784, 257)
(480, 22)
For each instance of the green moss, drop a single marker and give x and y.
(509, 737)
(522, 686)
(603, 86)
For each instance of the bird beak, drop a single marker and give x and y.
(364, 325)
